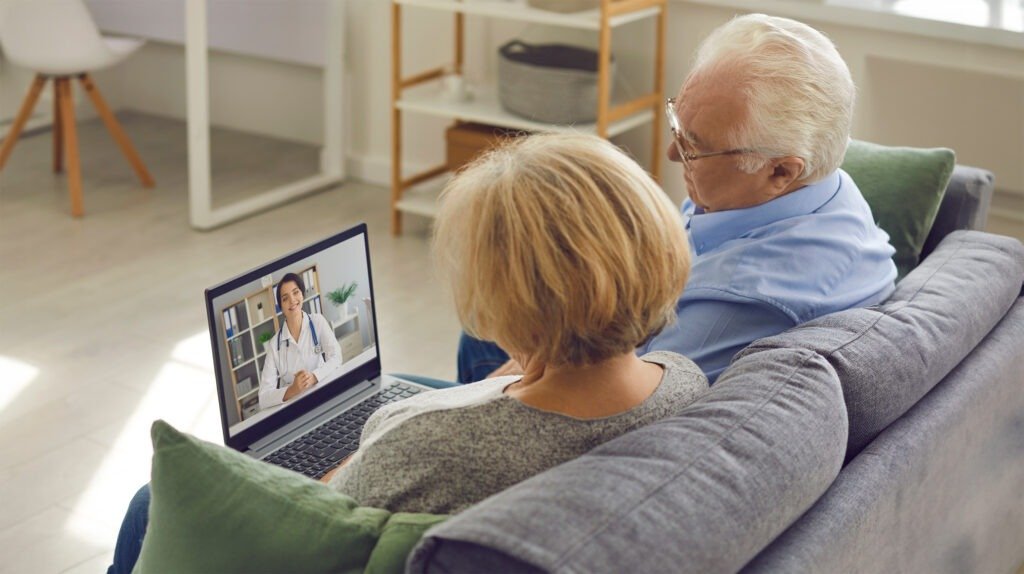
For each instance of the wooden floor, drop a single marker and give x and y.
(103, 330)
(102, 327)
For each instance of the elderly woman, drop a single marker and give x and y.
(546, 244)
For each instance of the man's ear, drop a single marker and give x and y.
(786, 172)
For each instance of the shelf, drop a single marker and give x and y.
(422, 93)
(249, 394)
(240, 365)
(267, 320)
(485, 108)
(344, 320)
(421, 200)
(519, 11)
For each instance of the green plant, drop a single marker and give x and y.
(265, 337)
(342, 294)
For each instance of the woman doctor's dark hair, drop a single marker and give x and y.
(292, 278)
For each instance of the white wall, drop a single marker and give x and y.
(901, 101)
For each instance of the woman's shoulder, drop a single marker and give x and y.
(678, 369)
(436, 409)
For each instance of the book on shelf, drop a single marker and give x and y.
(244, 386)
(307, 278)
(228, 329)
(237, 352)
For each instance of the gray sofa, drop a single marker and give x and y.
(887, 439)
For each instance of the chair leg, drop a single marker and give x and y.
(58, 135)
(115, 130)
(23, 114)
(70, 137)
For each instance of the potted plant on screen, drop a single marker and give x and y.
(341, 298)
(264, 339)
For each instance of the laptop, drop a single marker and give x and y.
(311, 431)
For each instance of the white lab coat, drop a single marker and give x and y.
(295, 356)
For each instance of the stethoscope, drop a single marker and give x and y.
(317, 349)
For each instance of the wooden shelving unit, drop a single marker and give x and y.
(612, 118)
(255, 314)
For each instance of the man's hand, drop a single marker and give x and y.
(303, 380)
(510, 368)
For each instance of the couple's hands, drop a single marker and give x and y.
(303, 381)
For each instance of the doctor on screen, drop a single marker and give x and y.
(301, 353)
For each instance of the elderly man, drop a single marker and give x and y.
(780, 235)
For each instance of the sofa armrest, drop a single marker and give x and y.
(964, 206)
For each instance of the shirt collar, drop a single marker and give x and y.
(710, 230)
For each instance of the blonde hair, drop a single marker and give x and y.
(562, 248)
(799, 92)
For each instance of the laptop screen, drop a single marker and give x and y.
(293, 334)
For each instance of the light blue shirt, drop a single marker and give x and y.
(761, 270)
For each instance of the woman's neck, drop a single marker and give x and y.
(295, 325)
(610, 387)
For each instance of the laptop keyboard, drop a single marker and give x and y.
(321, 449)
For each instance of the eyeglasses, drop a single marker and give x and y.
(677, 137)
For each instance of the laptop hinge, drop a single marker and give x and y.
(312, 419)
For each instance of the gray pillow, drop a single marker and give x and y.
(890, 356)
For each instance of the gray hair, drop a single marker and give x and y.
(799, 92)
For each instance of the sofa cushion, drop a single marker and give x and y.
(904, 187)
(674, 496)
(216, 510)
(890, 356)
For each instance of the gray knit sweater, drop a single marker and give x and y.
(445, 450)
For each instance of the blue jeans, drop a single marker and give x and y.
(136, 519)
(133, 529)
(477, 359)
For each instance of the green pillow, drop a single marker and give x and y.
(904, 187)
(216, 510)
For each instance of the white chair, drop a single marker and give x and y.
(58, 40)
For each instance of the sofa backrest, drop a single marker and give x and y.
(964, 205)
(676, 496)
(890, 356)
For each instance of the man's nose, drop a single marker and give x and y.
(673, 152)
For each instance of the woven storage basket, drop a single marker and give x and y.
(564, 6)
(551, 83)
